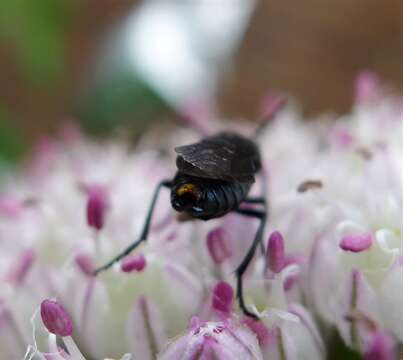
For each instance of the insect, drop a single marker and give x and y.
(213, 178)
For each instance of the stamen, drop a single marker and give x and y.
(355, 315)
(356, 242)
(275, 252)
(19, 271)
(133, 263)
(85, 263)
(223, 296)
(96, 207)
(56, 318)
(218, 245)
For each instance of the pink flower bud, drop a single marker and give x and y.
(218, 245)
(133, 263)
(96, 207)
(56, 318)
(356, 242)
(223, 295)
(275, 252)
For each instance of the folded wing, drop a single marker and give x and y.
(226, 156)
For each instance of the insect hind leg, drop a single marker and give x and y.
(144, 233)
(261, 215)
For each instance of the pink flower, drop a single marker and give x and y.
(337, 251)
(213, 340)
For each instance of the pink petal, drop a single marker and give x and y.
(218, 245)
(10, 207)
(381, 347)
(20, 269)
(259, 328)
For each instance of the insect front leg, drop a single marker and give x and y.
(255, 200)
(144, 233)
(261, 215)
(260, 200)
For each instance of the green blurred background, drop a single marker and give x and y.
(113, 64)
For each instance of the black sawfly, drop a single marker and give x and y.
(213, 178)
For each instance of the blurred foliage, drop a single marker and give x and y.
(11, 143)
(36, 28)
(121, 99)
(337, 349)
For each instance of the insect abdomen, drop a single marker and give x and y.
(223, 197)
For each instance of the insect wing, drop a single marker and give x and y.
(224, 156)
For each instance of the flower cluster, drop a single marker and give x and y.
(332, 257)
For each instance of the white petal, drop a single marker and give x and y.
(391, 300)
(145, 330)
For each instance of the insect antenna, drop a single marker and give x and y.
(273, 104)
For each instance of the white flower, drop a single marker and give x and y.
(351, 279)
(76, 206)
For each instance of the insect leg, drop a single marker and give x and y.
(261, 215)
(255, 200)
(144, 233)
